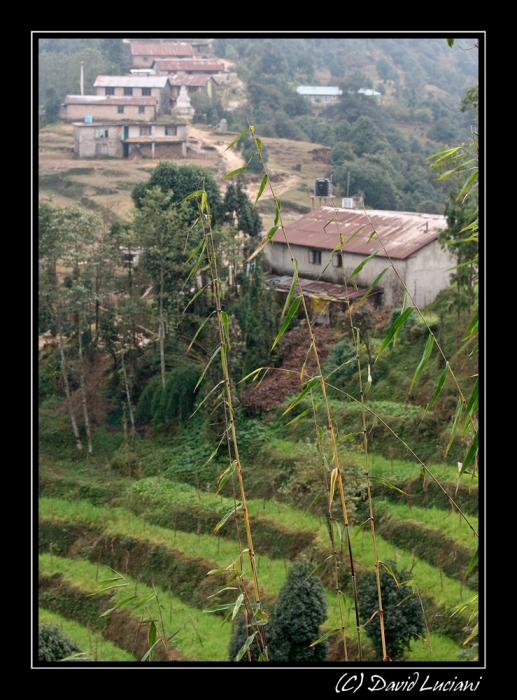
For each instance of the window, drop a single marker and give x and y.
(128, 91)
(315, 257)
(101, 133)
(146, 58)
(146, 92)
(141, 109)
(120, 109)
(171, 130)
(101, 149)
(145, 131)
(109, 90)
(337, 260)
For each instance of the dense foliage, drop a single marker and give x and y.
(54, 644)
(403, 617)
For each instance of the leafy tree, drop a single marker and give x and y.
(162, 231)
(300, 609)
(249, 151)
(237, 205)
(403, 617)
(385, 70)
(179, 181)
(54, 644)
(52, 105)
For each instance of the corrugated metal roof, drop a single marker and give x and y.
(178, 64)
(198, 79)
(327, 290)
(402, 233)
(158, 81)
(319, 90)
(164, 49)
(109, 99)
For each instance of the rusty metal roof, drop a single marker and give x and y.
(325, 290)
(401, 233)
(109, 100)
(150, 81)
(164, 49)
(178, 64)
(197, 79)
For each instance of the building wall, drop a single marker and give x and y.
(76, 113)
(424, 272)
(88, 144)
(162, 151)
(428, 272)
(162, 95)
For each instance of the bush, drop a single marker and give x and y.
(54, 644)
(403, 618)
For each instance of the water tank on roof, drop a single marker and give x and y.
(88, 119)
(322, 187)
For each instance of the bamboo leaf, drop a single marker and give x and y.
(354, 234)
(325, 636)
(473, 562)
(425, 359)
(238, 604)
(472, 406)
(245, 647)
(197, 193)
(236, 140)
(263, 242)
(259, 143)
(470, 454)
(472, 329)
(333, 479)
(302, 371)
(149, 652)
(360, 267)
(207, 366)
(301, 415)
(361, 301)
(199, 331)
(216, 608)
(291, 313)
(234, 172)
(291, 289)
(310, 384)
(387, 483)
(360, 528)
(109, 588)
(255, 372)
(455, 424)
(277, 213)
(118, 605)
(261, 189)
(146, 598)
(389, 570)
(450, 42)
(439, 386)
(331, 556)
(196, 295)
(398, 323)
(228, 515)
(225, 476)
(207, 397)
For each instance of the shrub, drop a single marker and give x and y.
(54, 644)
(403, 618)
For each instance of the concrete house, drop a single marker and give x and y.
(324, 94)
(188, 66)
(156, 140)
(108, 108)
(144, 53)
(136, 86)
(410, 240)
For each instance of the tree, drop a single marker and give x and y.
(403, 617)
(237, 204)
(179, 181)
(300, 609)
(162, 231)
(54, 644)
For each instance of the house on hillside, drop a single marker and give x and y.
(188, 66)
(324, 94)
(136, 86)
(156, 140)
(193, 83)
(108, 108)
(410, 239)
(143, 53)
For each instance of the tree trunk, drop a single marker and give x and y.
(83, 387)
(162, 330)
(77, 437)
(128, 399)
